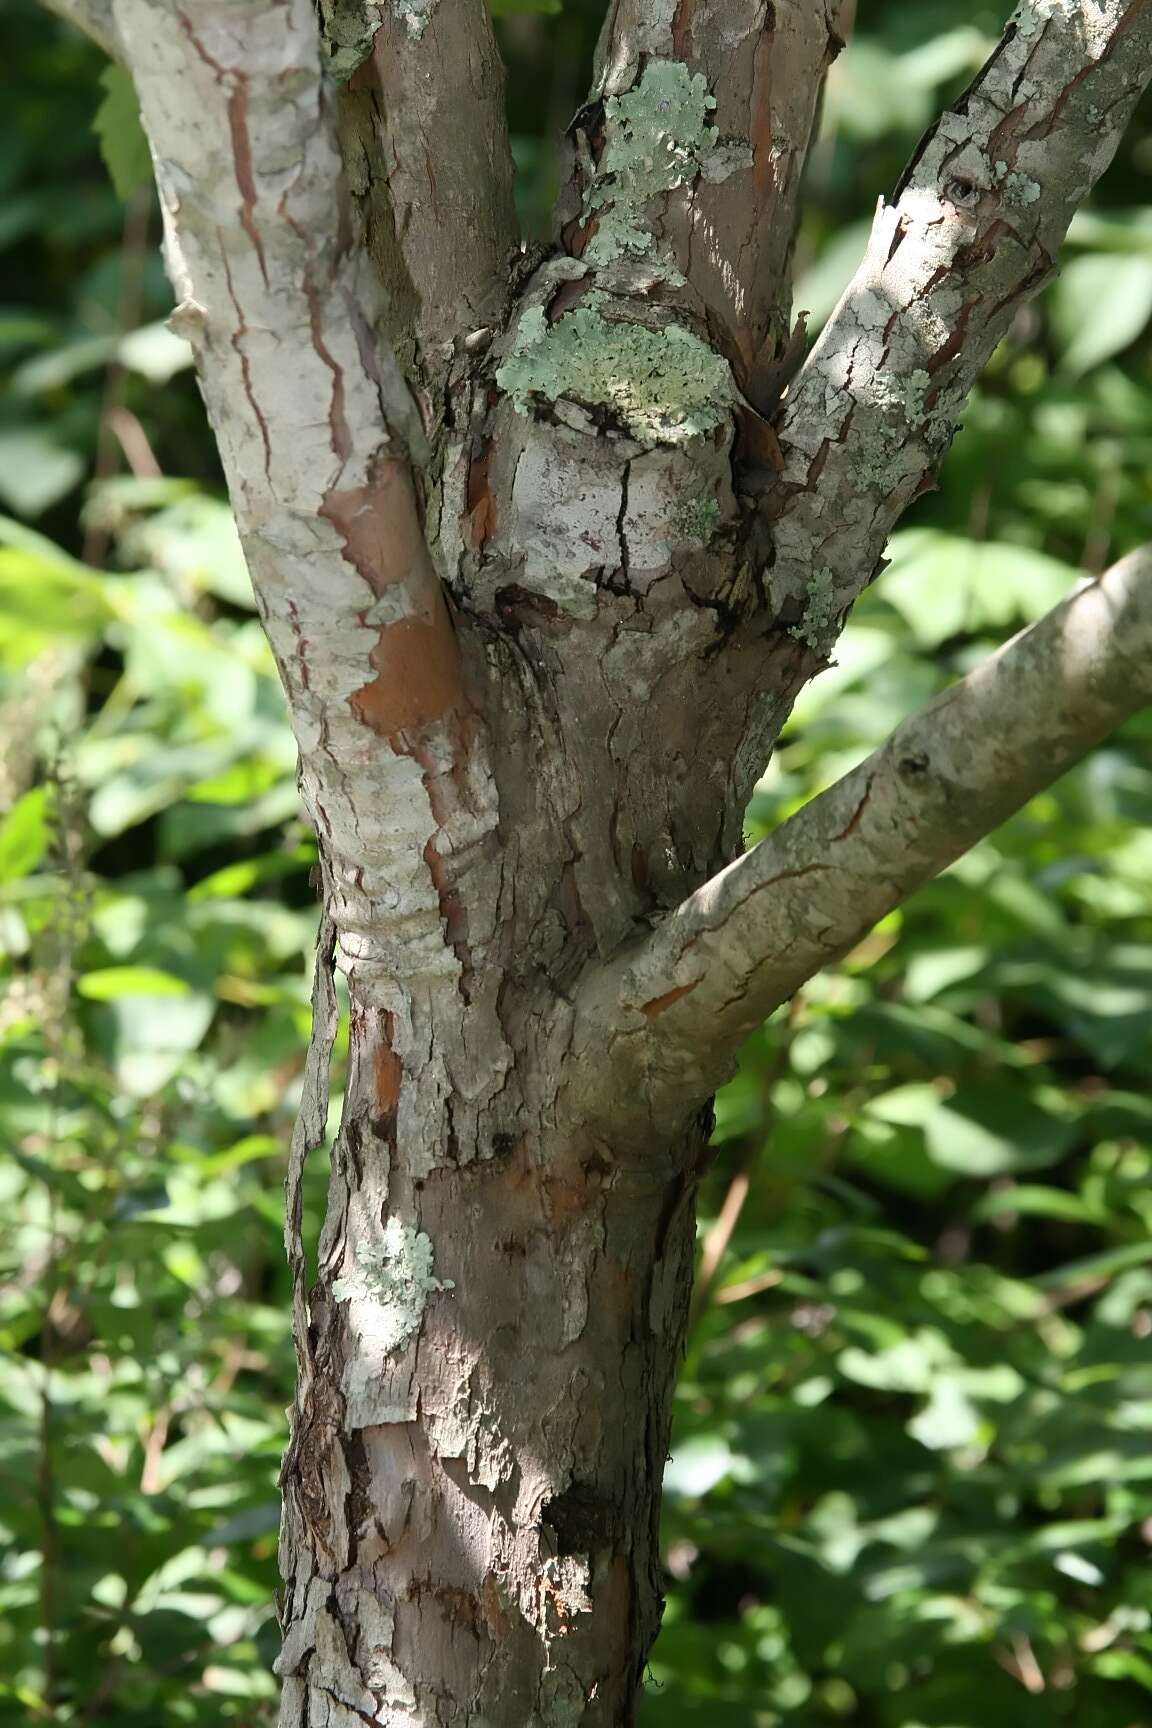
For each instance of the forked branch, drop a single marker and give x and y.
(672, 1014)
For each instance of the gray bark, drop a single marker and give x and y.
(736, 949)
(543, 580)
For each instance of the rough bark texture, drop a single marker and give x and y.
(744, 943)
(542, 585)
(973, 232)
(728, 228)
(440, 222)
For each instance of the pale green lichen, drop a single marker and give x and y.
(1031, 15)
(1088, 16)
(818, 624)
(1019, 189)
(665, 385)
(657, 138)
(1015, 188)
(414, 15)
(913, 393)
(395, 1274)
(872, 464)
(697, 519)
(903, 401)
(348, 28)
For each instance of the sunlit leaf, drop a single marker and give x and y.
(110, 982)
(36, 470)
(1100, 304)
(25, 833)
(117, 126)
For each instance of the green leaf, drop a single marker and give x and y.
(56, 368)
(155, 352)
(935, 969)
(943, 585)
(1099, 306)
(949, 1419)
(24, 835)
(236, 879)
(120, 134)
(1112, 230)
(44, 599)
(989, 1130)
(1125, 1665)
(698, 1464)
(1105, 1265)
(246, 1151)
(194, 541)
(109, 983)
(20, 328)
(1034, 1201)
(20, 538)
(36, 470)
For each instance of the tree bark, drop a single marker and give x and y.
(744, 943)
(544, 563)
(472, 1491)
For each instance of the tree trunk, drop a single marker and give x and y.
(472, 1490)
(546, 543)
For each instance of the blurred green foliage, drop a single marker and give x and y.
(911, 1484)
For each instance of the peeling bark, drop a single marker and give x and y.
(542, 586)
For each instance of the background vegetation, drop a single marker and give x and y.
(911, 1484)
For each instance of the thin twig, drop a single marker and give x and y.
(133, 249)
(720, 1234)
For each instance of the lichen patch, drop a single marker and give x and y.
(394, 1279)
(665, 384)
(817, 628)
(414, 15)
(657, 138)
(348, 28)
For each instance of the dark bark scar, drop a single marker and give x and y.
(658, 1004)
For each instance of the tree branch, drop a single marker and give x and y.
(721, 146)
(672, 1014)
(974, 232)
(94, 18)
(315, 427)
(443, 134)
